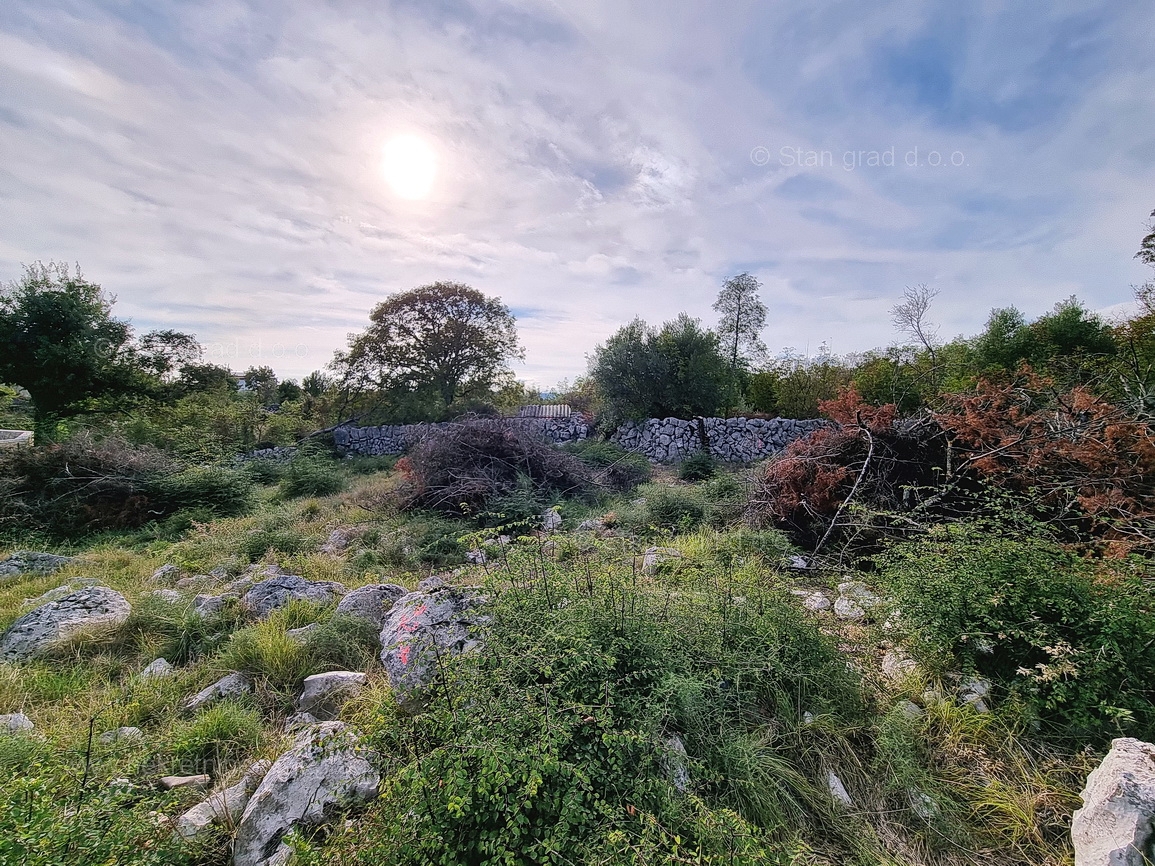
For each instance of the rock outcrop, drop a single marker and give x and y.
(32, 562)
(421, 626)
(221, 808)
(86, 611)
(324, 771)
(231, 686)
(277, 591)
(1116, 824)
(323, 694)
(372, 602)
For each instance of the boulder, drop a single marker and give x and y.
(675, 763)
(223, 808)
(816, 601)
(275, 592)
(32, 562)
(897, 665)
(976, 692)
(85, 611)
(1116, 824)
(232, 686)
(372, 602)
(157, 669)
(652, 557)
(422, 625)
(325, 770)
(15, 723)
(59, 592)
(167, 595)
(210, 605)
(340, 539)
(323, 694)
(199, 782)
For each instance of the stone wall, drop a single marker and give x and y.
(737, 440)
(662, 440)
(396, 439)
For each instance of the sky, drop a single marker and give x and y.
(217, 166)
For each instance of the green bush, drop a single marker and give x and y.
(618, 469)
(312, 476)
(370, 465)
(258, 542)
(176, 632)
(264, 471)
(219, 491)
(550, 747)
(673, 509)
(1076, 649)
(697, 467)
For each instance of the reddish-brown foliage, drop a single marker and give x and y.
(1077, 455)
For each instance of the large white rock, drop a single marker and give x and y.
(157, 669)
(324, 771)
(85, 611)
(854, 600)
(221, 807)
(1116, 824)
(15, 723)
(323, 694)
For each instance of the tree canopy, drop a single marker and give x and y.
(445, 340)
(60, 342)
(743, 316)
(677, 371)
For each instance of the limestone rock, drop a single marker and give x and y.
(675, 763)
(199, 782)
(15, 723)
(211, 605)
(121, 734)
(816, 601)
(301, 635)
(324, 770)
(232, 686)
(372, 602)
(655, 556)
(976, 692)
(838, 790)
(157, 669)
(323, 694)
(854, 600)
(222, 807)
(550, 520)
(32, 562)
(422, 625)
(339, 540)
(165, 574)
(275, 592)
(168, 595)
(85, 611)
(1116, 824)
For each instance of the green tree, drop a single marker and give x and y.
(677, 371)
(59, 341)
(262, 381)
(195, 378)
(445, 340)
(1146, 252)
(743, 316)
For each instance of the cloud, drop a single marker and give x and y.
(216, 164)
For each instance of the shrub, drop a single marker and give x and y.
(219, 491)
(463, 467)
(617, 469)
(1076, 649)
(312, 476)
(177, 632)
(673, 509)
(264, 471)
(697, 467)
(371, 465)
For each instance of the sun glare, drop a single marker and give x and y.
(409, 165)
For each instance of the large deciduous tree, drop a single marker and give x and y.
(59, 341)
(445, 338)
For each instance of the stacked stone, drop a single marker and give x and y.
(735, 440)
(558, 430)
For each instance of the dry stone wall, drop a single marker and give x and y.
(662, 440)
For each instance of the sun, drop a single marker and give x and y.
(409, 165)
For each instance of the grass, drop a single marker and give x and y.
(550, 745)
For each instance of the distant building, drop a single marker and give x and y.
(560, 410)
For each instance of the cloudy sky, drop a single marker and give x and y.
(218, 165)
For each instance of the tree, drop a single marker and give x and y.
(743, 318)
(262, 381)
(909, 316)
(205, 377)
(444, 339)
(59, 341)
(678, 371)
(1146, 252)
